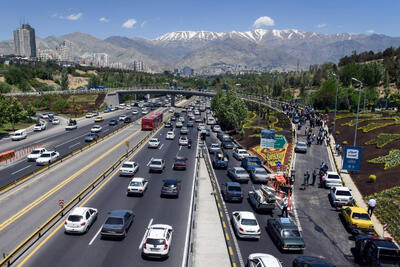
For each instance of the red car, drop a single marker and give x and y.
(180, 163)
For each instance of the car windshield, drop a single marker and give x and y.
(290, 233)
(171, 133)
(249, 222)
(301, 144)
(360, 216)
(35, 152)
(215, 146)
(153, 140)
(241, 171)
(74, 218)
(234, 188)
(252, 163)
(156, 162)
(127, 165)
(242, 151)
(389, 256)
(170, 183)
(155, 242)
(38, 124)
(180, 160)
(114, 220)
(135, 184)
(45, 155)
(333, 176)
(260, 171)
(343, 193)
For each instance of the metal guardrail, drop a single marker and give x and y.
(33, 238)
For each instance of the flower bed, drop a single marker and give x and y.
(376, 125)
(391, 160)
(383, 139)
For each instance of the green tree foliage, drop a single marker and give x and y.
(325, 96)
(60, 105)
(5, 88)
(15, 112)
(395, 99)
(64, 80)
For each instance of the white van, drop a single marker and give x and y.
(19, 135)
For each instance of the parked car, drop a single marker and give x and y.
(98, 119)
(170, 187)
(137, 186)
(117, 223)
(39, 127)
(36, 153)
(376, 251)
(332, 179)
(262, 201)
(238, 174)
(245, 225)
(19, 135)
(154, 143)
(96, 128)
(307, 261)
(240, 153)
(300, 147)
(285, 233)
(170, 135)
(262, 260)
(128, 168)
(156, 165)
(251, 163)
(180, 163)
(157, 242)
(232, 191)
(113, 122)
(91, 137)
(80, 219)
(47, 158)
(341, 196)
(259, 175)
(357, 220)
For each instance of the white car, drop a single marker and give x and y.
(178, 124)
(145, 111)
(181, 119)
(216, 128)
(122, 117)
(332, 179)
(89, 115)
(183, 141)
(47, 158)
(157, 241)
(240, 153)
(154, 143)
(128, 168)
(156, 165)
(245, 225)
(170, 135)
(36, 153)
(201, 127)
(137, 186)
(135, 112)
(55, 121)
(262, 260)
(39, 127)
(128, 107)
(341, 196)
(80, 219)
(96, 128)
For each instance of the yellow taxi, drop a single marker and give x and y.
(98, 119)
(357, 218)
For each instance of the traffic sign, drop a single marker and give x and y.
(61, 203)
(280, 142)
(352, 158)
(278, 164)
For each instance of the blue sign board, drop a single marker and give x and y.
(278, 164)
(352, 158)
(267, 138)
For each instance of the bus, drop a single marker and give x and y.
(152, 121)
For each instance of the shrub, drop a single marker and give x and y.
(372, 178)
(344, 142)
(337, 132)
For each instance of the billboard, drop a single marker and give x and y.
(267, 138)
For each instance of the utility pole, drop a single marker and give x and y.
(358, 109)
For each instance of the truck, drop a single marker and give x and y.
(71, 125)
(262, 199)
(220, 160)
(251, 163)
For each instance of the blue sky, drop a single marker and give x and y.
(152, 18)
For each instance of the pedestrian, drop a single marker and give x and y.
(314, 177)
(371, 206)
(308, 177)
(305, 180)
(339, 150)
(285, 207)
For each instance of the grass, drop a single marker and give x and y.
(6, 128)
(90, 99)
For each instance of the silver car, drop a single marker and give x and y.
(259, 175)
(156, 165)
(238, 174)
(301, 147)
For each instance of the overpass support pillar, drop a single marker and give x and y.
(112, 99)
(172, 100)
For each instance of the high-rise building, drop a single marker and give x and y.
(64, 51)
(24, 41)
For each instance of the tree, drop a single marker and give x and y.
(64, 80)
(325, 96)
(60, 105)
(395, 99)
(5, 88)
(15, 112)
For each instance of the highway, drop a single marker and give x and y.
(89, 250)
(57, 138)
(323, 232)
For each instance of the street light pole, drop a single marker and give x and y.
(358, 109)
(334, 118)
(365, 95)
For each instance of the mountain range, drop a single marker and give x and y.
(208, 52)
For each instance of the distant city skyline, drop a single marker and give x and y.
(151, 20)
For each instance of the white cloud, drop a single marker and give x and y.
(143, 23)
(129, 23)
(54, 15)
(322, 25)
(371, 31)
(74, 16)
(103, 19)
(263, 21)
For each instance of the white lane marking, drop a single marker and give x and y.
(161, 146)
(70, 140)
(21, 169)
(180, 147)
(145, 233)
(71, 146)
(149, 162)
(94, 238)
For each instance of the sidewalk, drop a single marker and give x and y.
(209, 241)
(338, 163)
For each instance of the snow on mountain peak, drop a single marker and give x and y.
(190, 35)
